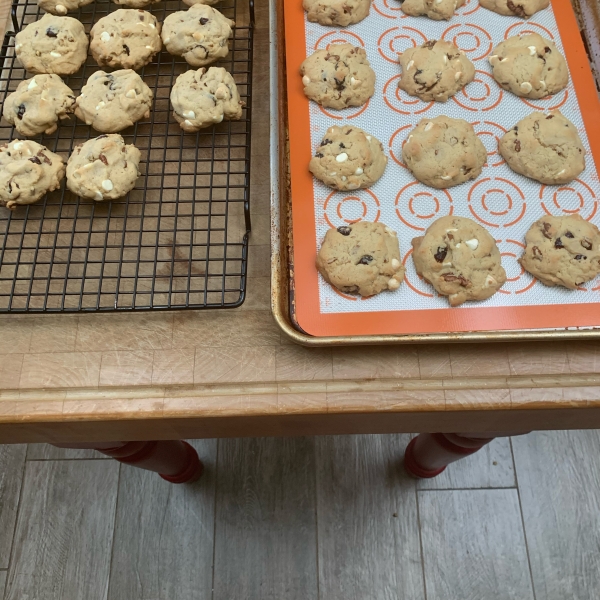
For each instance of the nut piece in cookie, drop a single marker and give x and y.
(435, 71)
(544, 147)
(562, 251)
(460, 259)
(52, 45)
(443, 152)
(518, 8)
(28, 170)
(336, 12)
(529, 66)
(110, 102)
(348, 158)
(361, 258)
(38, 104)
(434, 9)
(204, 97)
(62, 7)
(338, 77)
(199, 34)
(126, 39)
(103, 168)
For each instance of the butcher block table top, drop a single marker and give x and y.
(191, 374)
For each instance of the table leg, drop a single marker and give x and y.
(174, 460)
(429, 454)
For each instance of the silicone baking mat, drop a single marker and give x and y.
(502, 201)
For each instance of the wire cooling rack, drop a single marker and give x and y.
(179, 239)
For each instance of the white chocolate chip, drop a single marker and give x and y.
(489, 281)
(306, 80)
(188, 123)
(32, 84)
(438, 1)
(445, 177)
(333, 174)
(86, 167)
(390, 231)
(449, 230)
(352, 186)
(354, 82)
(197, 36)
(532, 50)
(167, 40)
(131, 94)
(152, 25)
(473, 244)
(396, 264)
(55, 54)
(457, 75)
(445, 59)
(410, 137)
(107, 185)
(343, 157)
(394, 284)
(98, 195)
(359, 171)
(369, 137)
(543, 84)
(409, 66)
(219, 118)
(189, 114)
(343, 178)
(503, 59)
(105, 36)
(60, 9)
(526, 87)
(493, 59)
(447, 264)
(149, 48)
(17, 145)
(560, 173)
(457, 245)
(100, 105)
(428, 126)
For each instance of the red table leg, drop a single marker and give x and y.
(174, 460)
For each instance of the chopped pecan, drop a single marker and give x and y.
(429, 44)
(35, 160)
(546, 230)
(103, 159)
(450, 278)
(537, 253)
(517, 145)
(586, 243)
(516, 8)
(344, 229)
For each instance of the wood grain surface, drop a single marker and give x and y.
(227, 373)
(12, 462)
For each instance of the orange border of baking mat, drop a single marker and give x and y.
(308, 314)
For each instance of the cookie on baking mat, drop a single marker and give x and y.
(103, 168)
(336, 12)
(62, 7)
(38, 104)
(361, 258)
(199, 34)
(435, 71)
(28, 170)
(52, 45)
(530, 66)
(204, 97)
(338, 77)
(544, 147)
(443, 152)
(126, 39)
(434, 9)
(562, 251)
(348, 158)
(515, 8)
(460, 259)
(110, 102)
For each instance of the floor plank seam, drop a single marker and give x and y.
(114, 528)
(215, 496)
(316, 479)
(468, 489)
(420, 542)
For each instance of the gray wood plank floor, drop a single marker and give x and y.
(330, 518)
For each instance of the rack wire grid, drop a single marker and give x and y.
(179, 239)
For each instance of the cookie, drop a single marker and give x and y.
(562, 251)
(338, 77)
(125, 39)
(435, 71)
(361, 258)
(204, 97)
(434, 9)
(62, 7)
(199, 34)
(52, 45)
(443, 152)
(515, 8)
(38, 104)
(336, 12)
(110, 102)
(135, 3)
(103, 168)
(192, 2)
(460, 259)
(530, 66)
(348, 158)
(28, 170)
(544, 147)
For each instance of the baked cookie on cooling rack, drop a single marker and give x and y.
(435, 71)
(361, 258)
(52, 45)
(135, 3)
(562, 251)
(434, 9)
(348, 158)
(443, 152)
(530, 66)
(515, 8)
(199, 34)
(110, 102)
(62, 7)
(460, 259)
(126, 39)
(544, 147)
(28, 170)
(37, 105)
(338, 77)
(204, 97)
(103, 168)
(336, 12)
